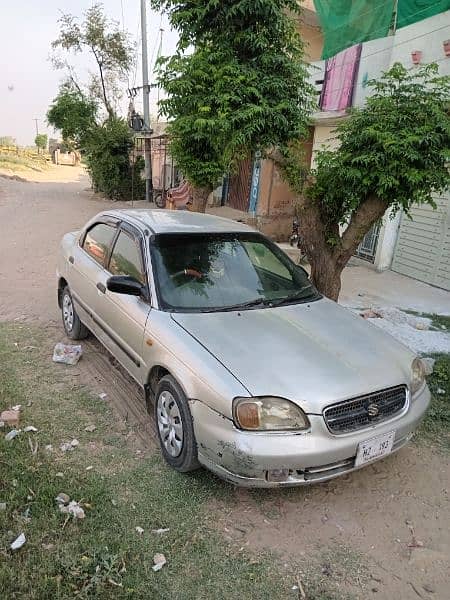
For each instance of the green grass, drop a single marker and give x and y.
(436, 426)
(102, 556)
(438, 322)
(10, 161)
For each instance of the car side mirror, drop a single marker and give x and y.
(123, 284)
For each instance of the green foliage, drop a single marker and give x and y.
(242, 89)
(73, 114)
(41, 141)
(436, 426)
(395, 148)
(108, 44)
(107, 155)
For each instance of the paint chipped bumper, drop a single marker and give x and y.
(248, 458)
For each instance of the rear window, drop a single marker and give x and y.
(98, 241)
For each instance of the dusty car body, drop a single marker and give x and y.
(286, 389)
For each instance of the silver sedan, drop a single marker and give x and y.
(249, 370)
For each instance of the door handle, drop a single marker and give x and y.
(101, 287)
(71, 260)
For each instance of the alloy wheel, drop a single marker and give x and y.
(170, 424)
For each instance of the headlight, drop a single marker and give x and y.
(417, 375)
(268, 414)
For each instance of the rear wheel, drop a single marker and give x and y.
(159, 199)
(73, 326)
(175, 430)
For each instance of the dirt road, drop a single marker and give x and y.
(393, 515)
(33, 218)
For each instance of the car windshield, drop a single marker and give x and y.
(218, 272)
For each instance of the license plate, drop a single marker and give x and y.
(374, 448)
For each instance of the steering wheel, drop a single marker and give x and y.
(187, 273)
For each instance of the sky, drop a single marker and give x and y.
(28, 82)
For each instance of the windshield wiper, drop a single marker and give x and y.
(299, 295)
(249, 304)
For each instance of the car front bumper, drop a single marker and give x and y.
(249, 458)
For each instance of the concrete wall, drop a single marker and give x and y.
(323, 136)
(427, 36)
(387, 241)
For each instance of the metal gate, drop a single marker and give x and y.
(368, 246)
(423, 244)
(239, 186)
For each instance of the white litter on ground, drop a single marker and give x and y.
(18, 542)
(412, 331)
(67, 354)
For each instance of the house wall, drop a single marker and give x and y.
(324, 135)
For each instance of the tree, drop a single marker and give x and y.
(242, 89)
(41, 141)
(393, 153)
(107, 154)
(73, 114)
(108, 45)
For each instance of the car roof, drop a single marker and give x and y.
(179, 221)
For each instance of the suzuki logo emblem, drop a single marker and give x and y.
(373, 410)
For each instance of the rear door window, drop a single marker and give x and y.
(97, 242)
(126, 258)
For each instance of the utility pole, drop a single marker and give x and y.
(146, 102)
(37, 132)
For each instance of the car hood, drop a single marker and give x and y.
(313, 354)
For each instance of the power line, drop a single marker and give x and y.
(363, 84)
(399, 44)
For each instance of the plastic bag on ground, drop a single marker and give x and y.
(67, 354)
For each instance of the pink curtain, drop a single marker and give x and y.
(340, 75)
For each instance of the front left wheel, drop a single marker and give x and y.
(175, 429)
(73, 326)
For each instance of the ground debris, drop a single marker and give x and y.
(160, 531)
(18, 542)
(62, 498)
(10, 417)
(370, 313)
(68, 446)
(159, 561)
(69, 507)
(67, 354)
(30, 428)
(139, 530)
(12, 434)
(90, 428)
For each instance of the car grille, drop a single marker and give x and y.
(361, 412)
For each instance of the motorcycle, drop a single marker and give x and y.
(295, 239)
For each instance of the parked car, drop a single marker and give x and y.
(251, 372)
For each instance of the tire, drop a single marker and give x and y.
(73, 326)
(159, 200)
(176, 437)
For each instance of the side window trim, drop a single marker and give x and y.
(113, 223)
(138, 238)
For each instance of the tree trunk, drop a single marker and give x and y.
(326, 276)
(327, 260)
(200, 198)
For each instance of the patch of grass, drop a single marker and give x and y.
(102, 555)
(436, 426)
(438, 322)
(10, 161)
